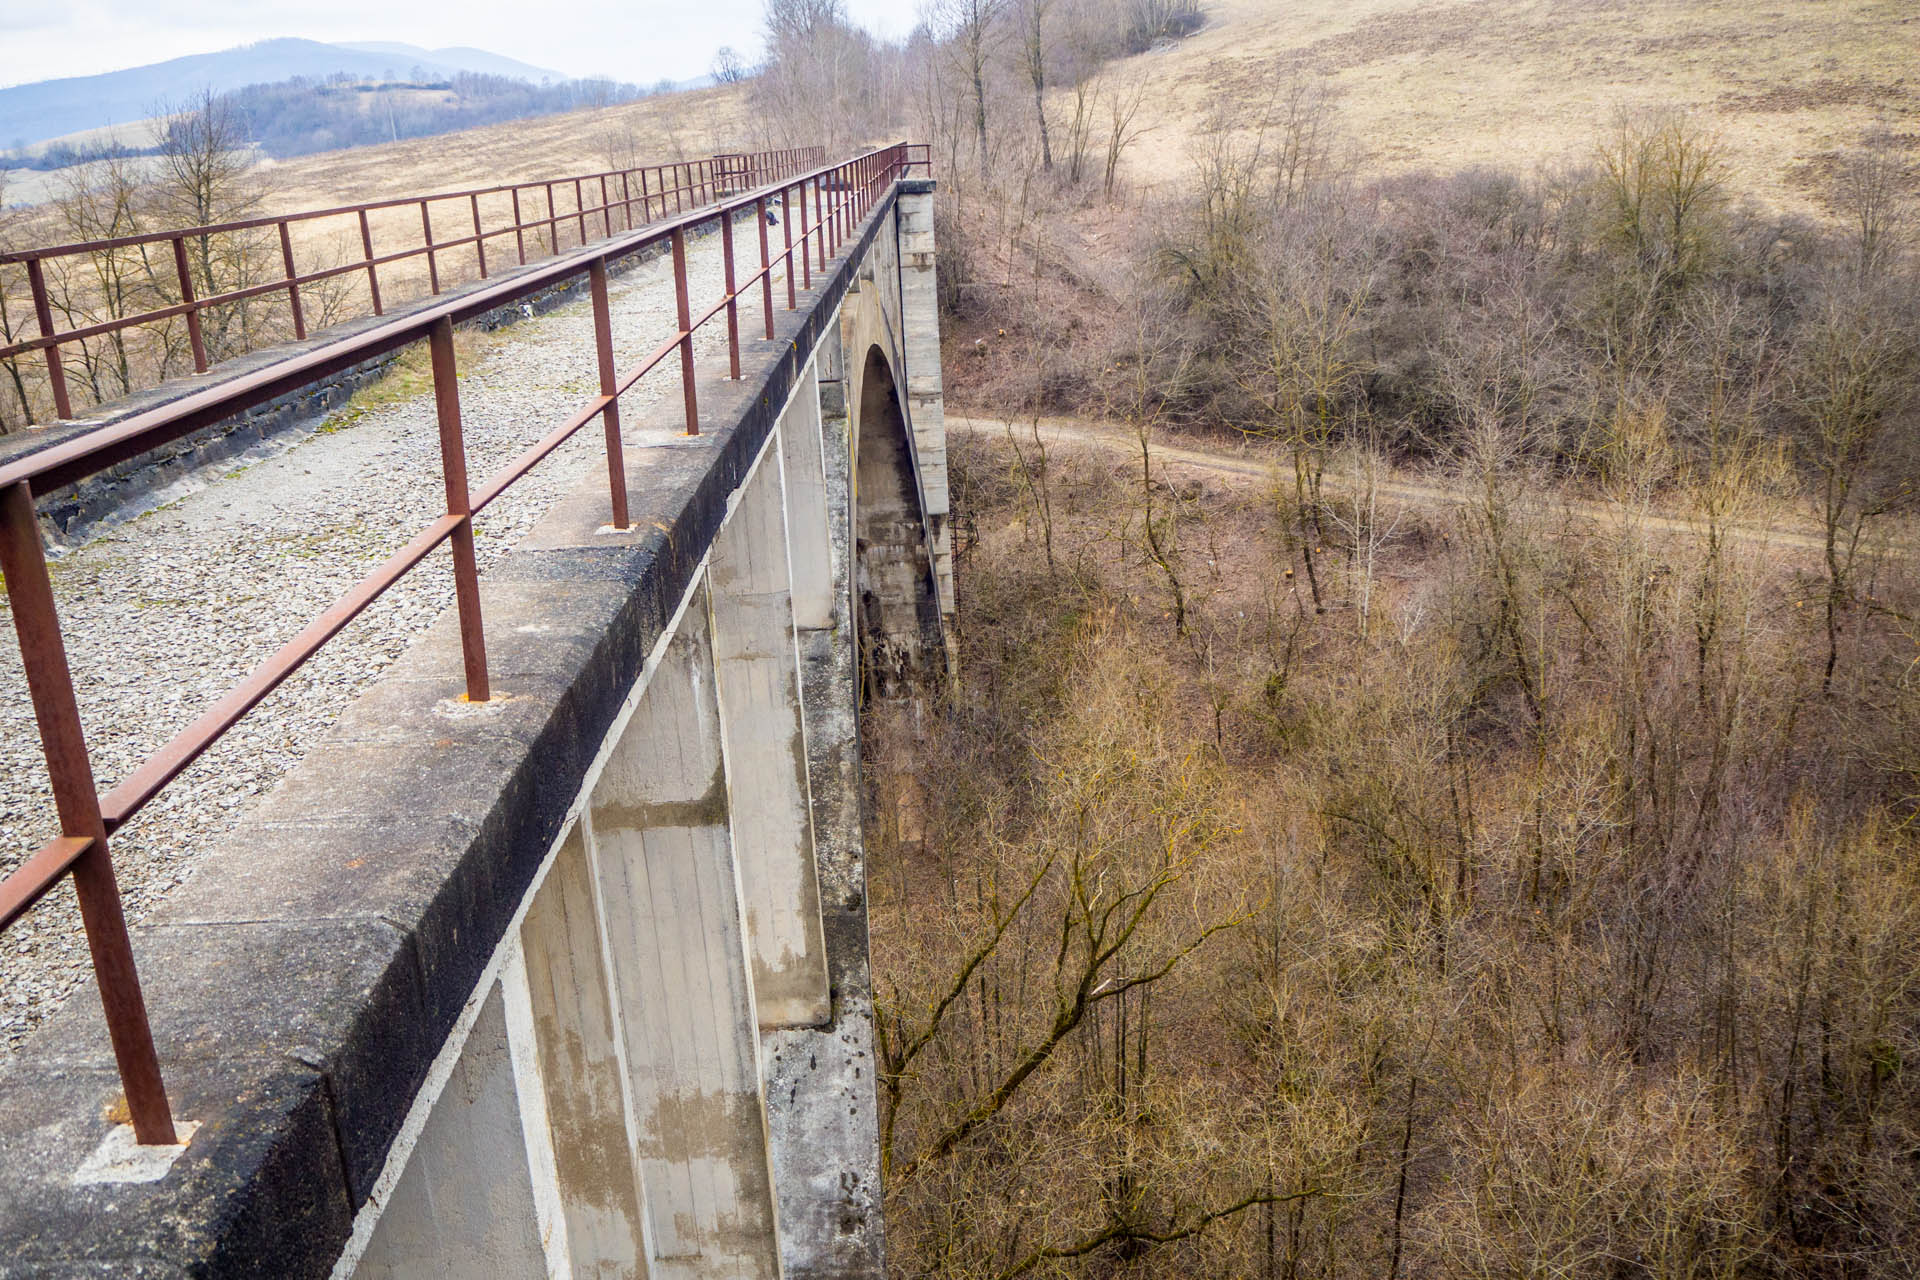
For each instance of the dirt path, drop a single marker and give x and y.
(1257, 460)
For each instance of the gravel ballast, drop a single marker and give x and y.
(164, 613)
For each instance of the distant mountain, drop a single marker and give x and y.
(459, 58)
(52, 108)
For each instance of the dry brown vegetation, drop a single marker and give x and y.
(1518, 882)
(1528, 908)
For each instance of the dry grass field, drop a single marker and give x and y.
(684, 126)
(1786, 83)
(673, 127)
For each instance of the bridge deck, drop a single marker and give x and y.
(302, 986)
(326, 985)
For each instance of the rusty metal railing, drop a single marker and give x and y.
(540, 208)
(840, 196)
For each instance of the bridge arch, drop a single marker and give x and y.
(901, 651)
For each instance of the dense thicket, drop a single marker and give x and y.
(1531, 905)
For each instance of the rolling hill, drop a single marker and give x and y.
(31, 113)
(1451, 84)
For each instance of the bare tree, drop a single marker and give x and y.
(104, 198)
(824, 80)
(1875, 183)
(1033, 61)
(1853, 376)
(1309, 290)
(13, 318)
(1122, 106)
(596, 92)
(206, 176)
(1086, 99)
(1663, 181)
(728, 66)
(972, 28)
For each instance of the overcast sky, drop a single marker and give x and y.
(636, 40)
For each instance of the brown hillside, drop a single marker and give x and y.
(1470, 82)
(679, 126)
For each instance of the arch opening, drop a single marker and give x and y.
(901, 652)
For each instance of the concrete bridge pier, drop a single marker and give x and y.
(758, 667)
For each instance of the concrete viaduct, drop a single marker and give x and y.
(572, 981)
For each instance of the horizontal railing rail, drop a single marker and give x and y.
(840, 197)
(656, 191)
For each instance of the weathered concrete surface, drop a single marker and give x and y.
(670, 894)
(820, 1081)
(759, 684)
(596, 1177)
(445, 1220)
(805, 479)
(918, 268)
(902, 652)
(331, 975)
(902, 563)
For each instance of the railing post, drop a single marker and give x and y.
(50, 687)
(479, 241)
(679, 237)
(43, 312)
(373, 273)
(646, 199)
(293, 283)
(553, 222)
(453, 465)
(786, 229)
(733, 308)
(766, 265)
(626, 196)
(606, 207)
(610, 420)
(519, 227)
(819, 221)
(580, 209)
(185, 274)
(433, 266)
(806, 245)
